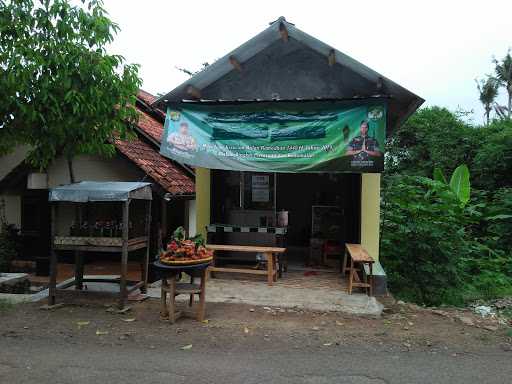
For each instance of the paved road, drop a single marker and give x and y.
(42, 361)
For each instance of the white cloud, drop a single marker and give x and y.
(434, 48)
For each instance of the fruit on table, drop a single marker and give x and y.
(182, 249)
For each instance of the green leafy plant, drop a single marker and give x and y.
(459, 182)
(62, 93)
(423, 239)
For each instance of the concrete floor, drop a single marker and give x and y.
(322, 291)
(300, 288)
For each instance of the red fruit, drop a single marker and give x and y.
(172, 246)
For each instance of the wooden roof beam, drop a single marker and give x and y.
(283, 31)
(194, 92)
(331, 57)
(235, 63)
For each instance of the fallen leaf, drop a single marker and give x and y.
(315, 328)
(82, 324)
(101, 333)
(185, 347)
(206, 321)
(246, 330)
(129, 320)
(338, 322)
(327, 344)
(124, 310)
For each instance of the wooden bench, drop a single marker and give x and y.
(269, 252)
(357, 257)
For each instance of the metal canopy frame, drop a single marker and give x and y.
(126, 246)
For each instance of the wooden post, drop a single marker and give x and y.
(145, 265)
(124, 255)
(202, 297)
(163, 222)
(164, 311)
(270, 267)
(172, 300)
(370, 279)
(53, 257)
(79, 270)
(191, 298)
(79, 257)
(344, 263)
(351, 276)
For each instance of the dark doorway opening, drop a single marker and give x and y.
(321, 207)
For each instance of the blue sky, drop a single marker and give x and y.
(436, 49)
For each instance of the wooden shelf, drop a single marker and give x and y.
(97, 244)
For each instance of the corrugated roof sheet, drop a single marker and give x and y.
(85, 191)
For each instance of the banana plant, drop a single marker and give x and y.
(459, 182)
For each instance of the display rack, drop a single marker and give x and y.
(86, 192)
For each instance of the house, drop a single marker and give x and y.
(282, 69)
(24, 191)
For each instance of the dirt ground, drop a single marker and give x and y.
(401, 328)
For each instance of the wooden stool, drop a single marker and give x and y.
(171, 287)
(358, 257)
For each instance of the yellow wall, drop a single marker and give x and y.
(370, 213)
(203, 194)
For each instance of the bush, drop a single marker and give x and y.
(423, 240)
(439, 251)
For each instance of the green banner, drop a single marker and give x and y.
(278, 137)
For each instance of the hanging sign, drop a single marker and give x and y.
(277, 137)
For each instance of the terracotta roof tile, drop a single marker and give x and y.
(150, 126)
(146, 97)
(163, 171)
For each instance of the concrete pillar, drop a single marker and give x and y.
(203, 196)
(370, 213)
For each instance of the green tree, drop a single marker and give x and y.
(503, 70)
(492, 161)
(62, 93)
(488, 90)
(432, 137)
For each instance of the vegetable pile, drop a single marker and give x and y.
(180, 249)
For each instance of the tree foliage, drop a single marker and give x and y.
(62, 93)
(432, 138)
(488, 91)
(503, 69)
(439, 243)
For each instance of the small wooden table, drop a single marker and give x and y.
(168, 274)
(357, 255)
(269, 253)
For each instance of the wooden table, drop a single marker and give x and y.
(171, 288)
(357, 255)
(269, 252)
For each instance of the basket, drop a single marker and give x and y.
(187, 262)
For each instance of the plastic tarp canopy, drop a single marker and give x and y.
(85, 191)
